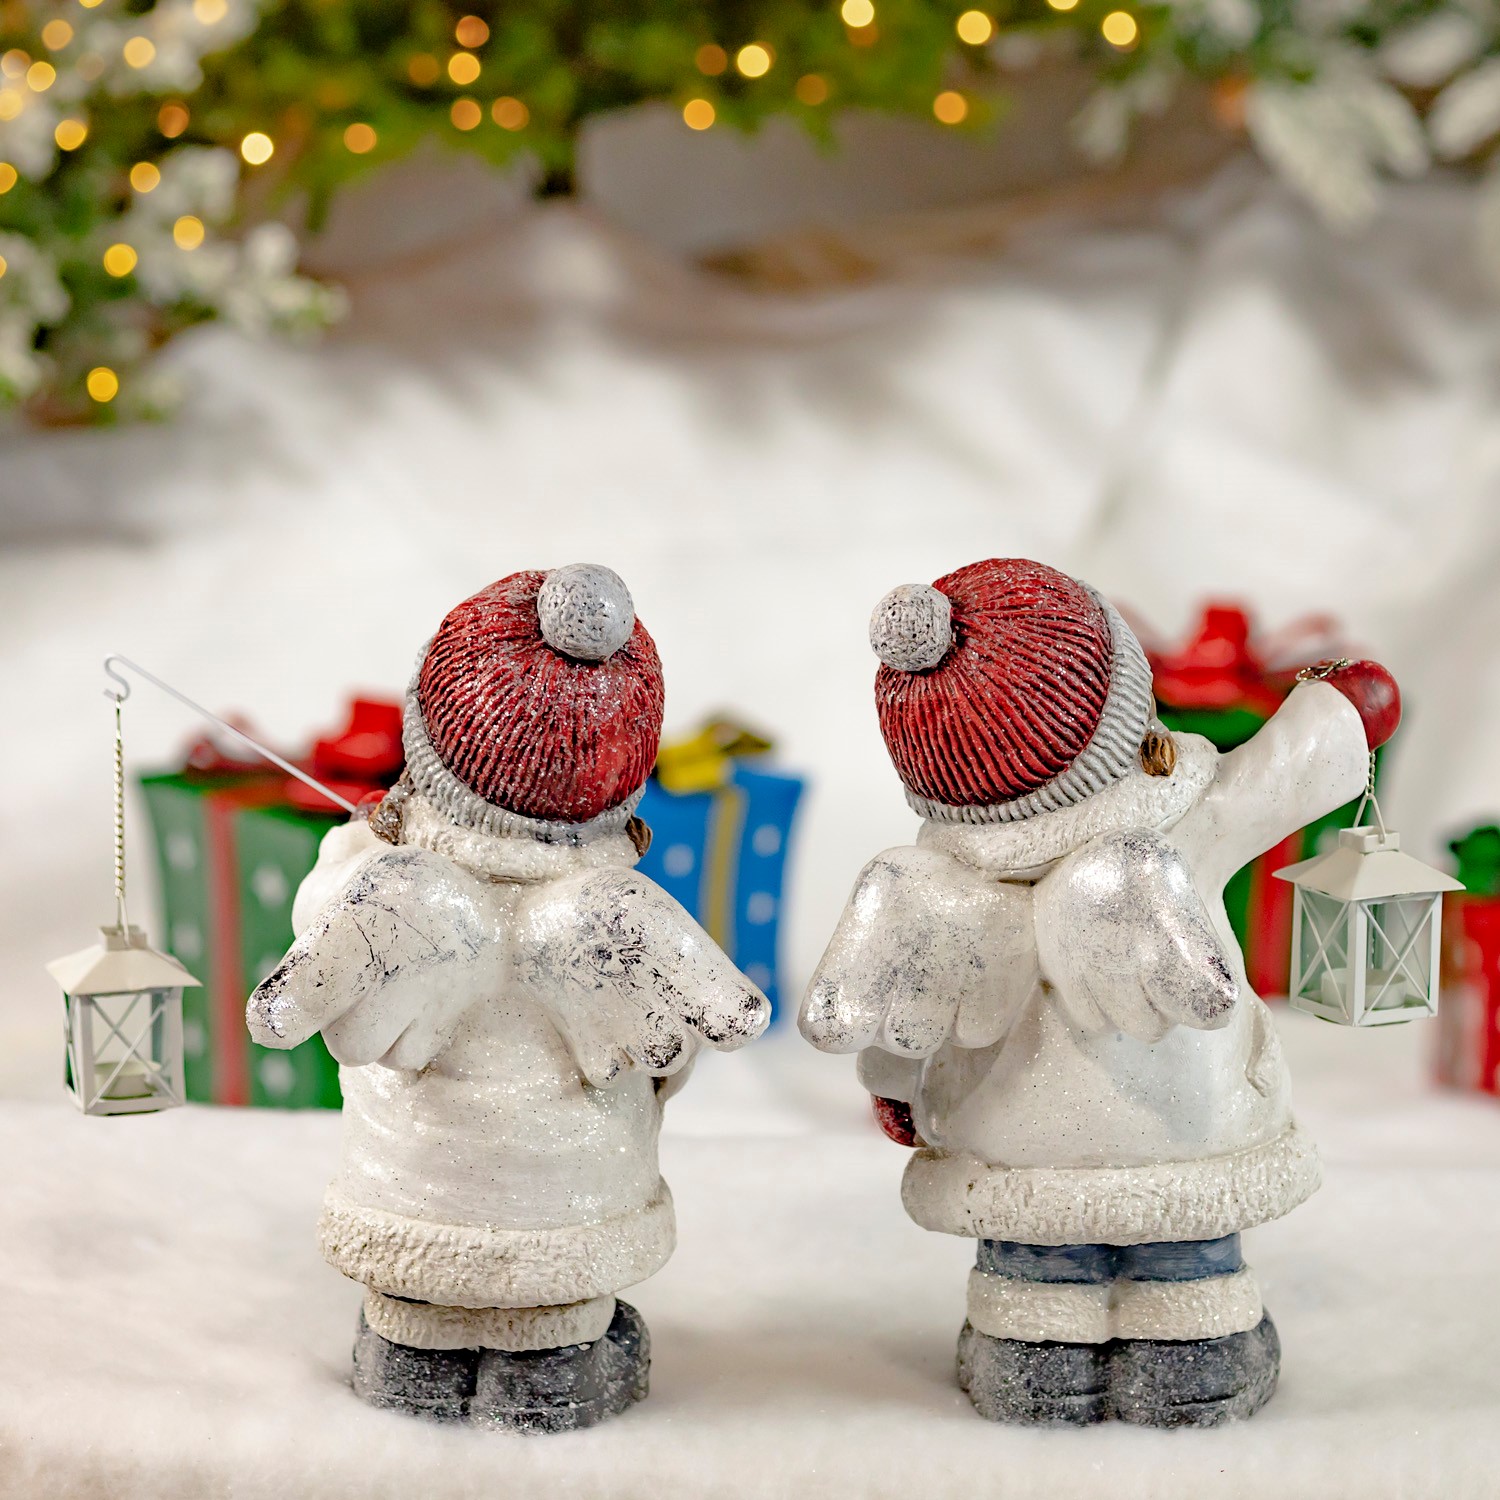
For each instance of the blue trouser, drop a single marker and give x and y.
(1169, 1260)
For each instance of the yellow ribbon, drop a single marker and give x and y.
(703, 761)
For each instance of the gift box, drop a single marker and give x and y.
(1468, 1046)
(233, 842)
(721, 823)
(1224, 683)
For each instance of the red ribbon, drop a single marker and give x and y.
(1225, 665)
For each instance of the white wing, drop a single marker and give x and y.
(1124, 937)
(385, 969)
(926, 949)
(628, 977)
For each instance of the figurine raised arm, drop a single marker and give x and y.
(1048, 1002)
(511, 1004)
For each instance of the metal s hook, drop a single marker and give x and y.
(114, 676)
(114, 659)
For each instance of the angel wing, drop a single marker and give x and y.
(926, 949)
(629, 978)
(385, 969)
(1124, 937)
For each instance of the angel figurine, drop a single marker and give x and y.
(1049, 1005)
(511, 1005)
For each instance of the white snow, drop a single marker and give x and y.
(1227, 404)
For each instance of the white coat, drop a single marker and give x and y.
(1062, 1002)
(508, 1015)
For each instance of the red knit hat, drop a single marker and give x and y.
(1007, 689)
(538, 704)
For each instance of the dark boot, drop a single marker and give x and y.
(557, 1390)
(432, 1383)
(1193, 1382)
(532, 1390)
(1009, 1380)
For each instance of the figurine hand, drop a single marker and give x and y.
(894, 1117)
(1373, 692)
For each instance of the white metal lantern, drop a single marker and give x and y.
(123, 1002)
(124, 1024)
(1366, 929)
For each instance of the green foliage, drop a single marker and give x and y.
(343, 86)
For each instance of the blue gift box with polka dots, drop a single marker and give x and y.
(723, 854)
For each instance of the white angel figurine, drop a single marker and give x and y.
(511, 1004)
(1048, 1002)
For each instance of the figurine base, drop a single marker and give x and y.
(1148, 1382)
(536, 1390)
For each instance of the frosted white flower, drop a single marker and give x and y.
(197, 180)
(1467, 113)
(1331, 138)
(21, 367)
(1432, 50)
(30, 285)
(27, 142)
(1101, 129)
(265, 295)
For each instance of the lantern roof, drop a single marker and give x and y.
(1367, 865)
(122, 961)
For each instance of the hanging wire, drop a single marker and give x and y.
(114, 661)
(122, 917)
(1318, 674)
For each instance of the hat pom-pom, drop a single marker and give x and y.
(585, 611)
(912, 627)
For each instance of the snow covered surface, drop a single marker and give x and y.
(171, 1331)
(1222, 403)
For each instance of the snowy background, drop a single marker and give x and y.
(1218, 401)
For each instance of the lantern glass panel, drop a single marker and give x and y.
(128, 1050)
(1323, 970)
(1398, 953)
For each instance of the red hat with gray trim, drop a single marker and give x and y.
(1007, 689)
(537, 707)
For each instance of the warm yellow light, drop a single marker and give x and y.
(56, 35)
(698, 114)
(753, 61)
(951, 108)
(8, 177)
(1119, 29)
(465, 114)
(119, 260)
(857, 13)
(210, 12)
(812, 88)
(188, 232)
(10, 104)
(3, 266)
(510, 114)
(471, 32)
(257, 148)
(424, 69)
(1063, 4)
(102, 384)
(711, 59)
(975, 28)
(144, 176)
(70, 134)
(15, 63)
(463, 68)
(360, 138)
(139, 51)
(89, 4)
(172, 120)
(40, 76)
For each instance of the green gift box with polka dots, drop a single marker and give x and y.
(230, 855)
